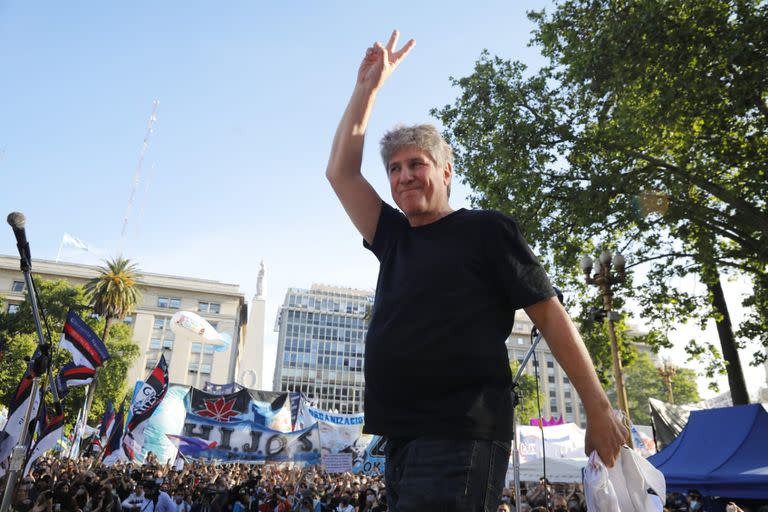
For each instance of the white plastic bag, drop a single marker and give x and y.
(624, 487)
(598, 489)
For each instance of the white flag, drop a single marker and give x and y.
(74, 242)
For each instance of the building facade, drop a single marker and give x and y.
(320, 346)
(190, 361)
(558, 397)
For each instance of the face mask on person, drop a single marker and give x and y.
(695, 505)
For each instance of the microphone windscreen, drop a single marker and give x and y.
(17, 220)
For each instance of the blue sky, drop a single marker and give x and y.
(250, 94)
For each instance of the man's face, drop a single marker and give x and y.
(416, 183)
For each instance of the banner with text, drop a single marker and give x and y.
(249, 426)
(339, 434)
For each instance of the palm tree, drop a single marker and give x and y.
(113, 294)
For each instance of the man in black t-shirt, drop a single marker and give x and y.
(436, 367)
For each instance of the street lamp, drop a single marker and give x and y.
(604, 273)
(667, 373)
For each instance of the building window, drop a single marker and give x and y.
(205, 368)
(209, 349)
(154, 343)
(18, 286)
(568, 408)
(168, 344)
(193, 367)
(169, 302)
(197, 348)
(162, 322)
(566, 380)
(151, 363)
(13, 309)
(520, 341)
(553, 394)
(551, 379)
(209, 307)
(550, 364)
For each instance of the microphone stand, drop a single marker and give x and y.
(535, 339)
(515, 403)
(40, 364)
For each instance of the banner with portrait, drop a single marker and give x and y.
(339, 434)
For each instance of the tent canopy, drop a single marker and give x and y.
(721, 452)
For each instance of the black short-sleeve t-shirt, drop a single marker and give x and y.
(436, 363)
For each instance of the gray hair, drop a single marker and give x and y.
(422, 136)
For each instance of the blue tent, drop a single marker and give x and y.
(720, 452)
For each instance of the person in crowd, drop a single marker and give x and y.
(695, 500)
(135, 499)
(180, 499)
(559, 503)
(540, 495)
(344, 504)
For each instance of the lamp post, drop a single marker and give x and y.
(604, 273)
(667, 373)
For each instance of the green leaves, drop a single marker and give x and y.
(56, 298)
(647, 132)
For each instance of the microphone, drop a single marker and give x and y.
(17, 221)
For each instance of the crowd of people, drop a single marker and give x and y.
(83, 485)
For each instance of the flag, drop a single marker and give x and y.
(49, 431)
(145, 401)
(73, 375)
(17, 408)
(77, 432)
(116, 434)
(86, 348)
(107, 422)
(190, 445)
(68, 239)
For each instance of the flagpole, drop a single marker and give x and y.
(58, 254)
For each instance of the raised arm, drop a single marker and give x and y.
(360, 200)
(604, 432)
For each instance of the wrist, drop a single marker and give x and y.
(598, 406)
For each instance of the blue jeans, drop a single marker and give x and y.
(445, 475)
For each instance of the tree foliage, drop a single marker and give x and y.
(114, 293)
(643, 382)
(56, 298)
(646, 133)
(527, 389)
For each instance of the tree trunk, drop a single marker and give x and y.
(736, 382)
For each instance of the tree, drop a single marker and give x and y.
(643, 382)
(647, 132)
(527, 388)
(56, 298)
(114, 293)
